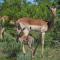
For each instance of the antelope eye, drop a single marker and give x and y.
(19, 27)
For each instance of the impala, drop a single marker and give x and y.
(2, 29)
(28, 24)
(3, 19)
(2, 32)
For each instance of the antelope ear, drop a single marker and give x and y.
(47, 6)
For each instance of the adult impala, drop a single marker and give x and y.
(28, 24)
(2, 29)
(2, 32)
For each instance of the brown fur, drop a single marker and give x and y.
(31, 21)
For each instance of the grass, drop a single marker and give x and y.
(49, 54)
(5, 58)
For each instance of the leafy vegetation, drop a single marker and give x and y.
(16, 9)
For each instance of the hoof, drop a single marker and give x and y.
(33, 57)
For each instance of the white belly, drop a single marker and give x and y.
(35, 27)
(38, 28)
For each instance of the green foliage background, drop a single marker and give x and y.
(16, 9)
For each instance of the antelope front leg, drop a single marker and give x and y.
(31, 45)
(22, 44)
(2, 33)
(24, 51)
(43, 37)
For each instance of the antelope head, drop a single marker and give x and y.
(52, 9)
(19, 31)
